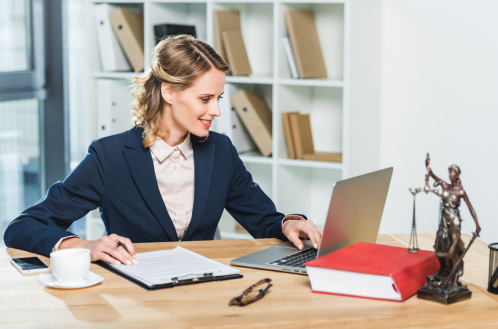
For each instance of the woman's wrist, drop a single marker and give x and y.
(75, 242)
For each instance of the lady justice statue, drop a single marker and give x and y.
(444, 286)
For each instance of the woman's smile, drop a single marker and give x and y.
(206, 123)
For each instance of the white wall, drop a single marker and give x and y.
(440, 94)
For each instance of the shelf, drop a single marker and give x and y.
(310, 164)
(115, 75)
(255, 157)
(312, 82)
(227, 235)
(249, 79)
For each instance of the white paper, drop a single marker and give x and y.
(159, 267)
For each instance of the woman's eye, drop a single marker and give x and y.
(205, 99)
(220, 97)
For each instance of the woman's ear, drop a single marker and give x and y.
(167, 92)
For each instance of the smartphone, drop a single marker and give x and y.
(29, 265)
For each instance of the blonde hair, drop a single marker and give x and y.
(179, 61)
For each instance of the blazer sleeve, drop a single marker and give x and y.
(39, 227)
(250, 206)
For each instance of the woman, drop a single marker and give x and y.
(166, 179)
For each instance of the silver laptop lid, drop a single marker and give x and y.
(355, 211)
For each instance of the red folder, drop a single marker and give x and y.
(372, 271)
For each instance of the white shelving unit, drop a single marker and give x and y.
(296, 186)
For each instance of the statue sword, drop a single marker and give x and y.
(459, 261)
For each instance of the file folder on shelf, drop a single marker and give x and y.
(236, 53)
(112, 57)
(129, 29)
(257, 118)
(305, 44)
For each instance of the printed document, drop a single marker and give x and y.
(160, 267)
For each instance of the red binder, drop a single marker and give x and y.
(372, 271)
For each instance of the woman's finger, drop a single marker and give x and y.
(316, 233)
(115, 253)
(294, 238)
(127, 242)
(308, 229)
(108, 259)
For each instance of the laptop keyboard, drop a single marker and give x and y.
(297, 259)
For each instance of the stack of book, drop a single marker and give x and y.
(299, 139)
(229, 41)
(302, 46)
(120, 37)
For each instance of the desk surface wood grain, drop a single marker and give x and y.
(118, 303)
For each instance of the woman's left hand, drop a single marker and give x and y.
(295, 229)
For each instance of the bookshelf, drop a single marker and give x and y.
(347, 30)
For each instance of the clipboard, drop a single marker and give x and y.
(201, 279)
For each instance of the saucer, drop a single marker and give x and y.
(51, 281)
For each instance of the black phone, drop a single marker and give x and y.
(29, 265)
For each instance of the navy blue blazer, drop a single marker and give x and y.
(117, 176)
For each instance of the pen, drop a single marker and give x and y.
(121, 245)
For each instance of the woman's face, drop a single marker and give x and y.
(194, 109)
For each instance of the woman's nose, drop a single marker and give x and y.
(215, 110)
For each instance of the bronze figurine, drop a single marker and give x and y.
(444, 286)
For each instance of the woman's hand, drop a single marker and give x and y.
(105, 249)
(295, 229)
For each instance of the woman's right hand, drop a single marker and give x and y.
(105, 249)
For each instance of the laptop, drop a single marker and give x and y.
(354, 215)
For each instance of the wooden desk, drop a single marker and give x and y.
(118, 303)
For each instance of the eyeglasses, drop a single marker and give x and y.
(251, 294)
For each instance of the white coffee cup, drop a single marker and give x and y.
(70, 264)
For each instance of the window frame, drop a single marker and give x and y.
(30, 83)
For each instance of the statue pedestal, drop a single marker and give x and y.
(432, 291)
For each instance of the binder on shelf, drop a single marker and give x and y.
(303, 140)
(305, 44)
(162, 31)
(235, 51)
(288, 134)
(256, 116)
(129, 29)
(229, 123)
(224, 20)
(113, 113)
(290, 57)
(112, 57)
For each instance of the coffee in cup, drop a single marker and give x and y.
(70, 264)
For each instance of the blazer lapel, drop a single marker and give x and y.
(203, 169)
(141, 166)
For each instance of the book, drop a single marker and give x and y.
(290, 57)
(224, 20)
(323, 156)
(256, 116)
(305, 44)
(162, 31)
(302, 139)
(301, 134)
(291, 152)
(235, 51)
(168, 268)
(129, 29)
(372, 271)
